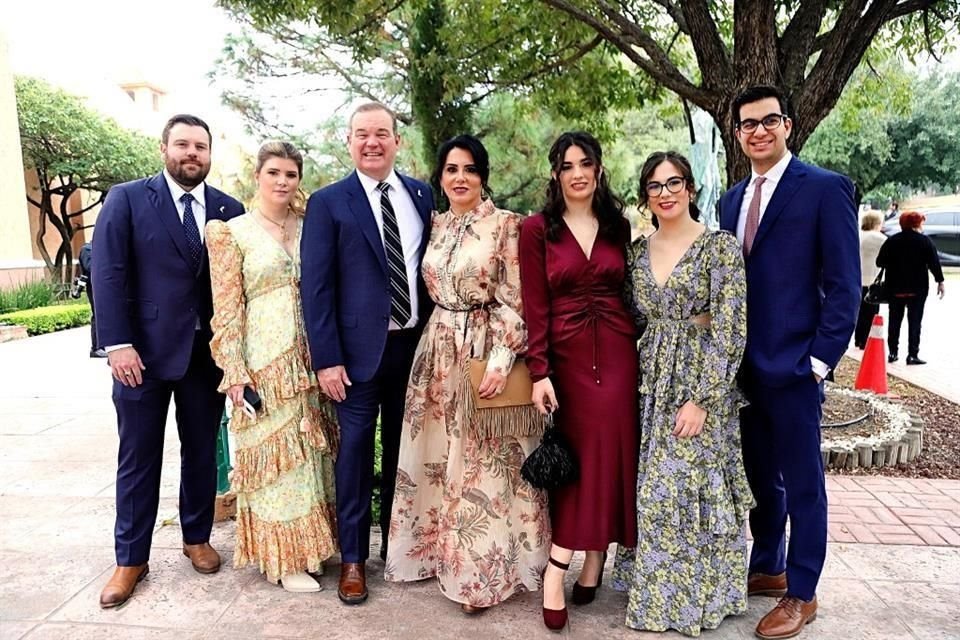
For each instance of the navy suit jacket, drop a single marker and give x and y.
(803, 274)
(344, 282)
(146, 292)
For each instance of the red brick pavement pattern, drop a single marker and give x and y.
(879, 510)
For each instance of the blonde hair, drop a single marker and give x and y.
(280, 149)
(871, 220)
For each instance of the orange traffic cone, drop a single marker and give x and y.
(873, 367)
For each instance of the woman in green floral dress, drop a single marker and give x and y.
(687, 284)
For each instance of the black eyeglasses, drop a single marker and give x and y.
(673, 185)
(769, 123)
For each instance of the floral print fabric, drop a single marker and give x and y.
(284, 459)
(461, 511)
(689, 569)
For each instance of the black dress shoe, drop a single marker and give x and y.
(892, 357)
(915, 360)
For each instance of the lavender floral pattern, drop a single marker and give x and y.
(689, 570)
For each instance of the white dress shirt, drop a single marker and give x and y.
(411, 231)
(199, 205)
(199, 208)
(771, 179)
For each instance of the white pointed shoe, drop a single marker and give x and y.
(300, 583)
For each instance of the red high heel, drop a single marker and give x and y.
(556, 619)
(585, 595)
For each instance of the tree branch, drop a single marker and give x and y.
(712, 56)
(797, 42)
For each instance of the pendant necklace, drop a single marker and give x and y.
(282, 225)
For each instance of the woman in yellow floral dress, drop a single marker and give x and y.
(462, 512)
(283, 474)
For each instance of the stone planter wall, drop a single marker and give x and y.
(882, 454)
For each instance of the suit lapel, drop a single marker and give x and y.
(730, 215)
(359, 204)
(424, 206)
(782, 195)
(162, 201)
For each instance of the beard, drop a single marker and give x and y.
(186, 175)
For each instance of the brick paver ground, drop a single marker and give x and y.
(876, 509)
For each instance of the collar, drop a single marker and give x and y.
(370, 184)
(776, 172)
(199, 192)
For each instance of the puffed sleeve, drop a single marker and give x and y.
(506, 331)
(229, 305)
(728, 325)
(536, 296)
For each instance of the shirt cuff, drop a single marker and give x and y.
(114, 347)
(500, 360)
(819, 367)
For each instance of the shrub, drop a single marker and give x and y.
(28, 295)
(49, 319)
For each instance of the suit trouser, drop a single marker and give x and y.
(93, 317)
(141, 419)
(384, 394)
(864, 320)
(781, 452)
(914, 307)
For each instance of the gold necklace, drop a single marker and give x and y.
(282, 225)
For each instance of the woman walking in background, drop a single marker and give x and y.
(462, 512)
(687, 283)
(871, 239)
(583, 361)
(284, 459)
(907, 257)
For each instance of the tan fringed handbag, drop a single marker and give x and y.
(509, 413)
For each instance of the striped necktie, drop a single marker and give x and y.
(400, 309)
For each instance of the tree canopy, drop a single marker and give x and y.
(73, 148)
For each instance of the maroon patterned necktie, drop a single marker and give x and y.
(753, 217)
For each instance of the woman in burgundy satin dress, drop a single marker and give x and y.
(582, 357)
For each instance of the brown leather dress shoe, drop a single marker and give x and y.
(471, 610)
(121, 585)
(760, 584)
(353, 583)
(204, 558)
(787, 619)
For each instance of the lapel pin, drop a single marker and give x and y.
(222, 207)
(419, 195)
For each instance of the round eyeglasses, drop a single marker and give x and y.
(673, 185)
(769, 122)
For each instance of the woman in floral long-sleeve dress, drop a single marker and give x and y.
(689, 570)
(462, 512)
(284, 457)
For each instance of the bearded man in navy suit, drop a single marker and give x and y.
(152, 291)
(798, 227)
(365, 306)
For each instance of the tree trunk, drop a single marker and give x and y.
(439, 118)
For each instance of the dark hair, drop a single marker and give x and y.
(475, 148)
(608, 208)
(187, 119)
(755, 94)
(679, 161)
(374, 106)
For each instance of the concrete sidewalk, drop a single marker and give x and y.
(57, 466)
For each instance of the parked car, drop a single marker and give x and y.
(943, 227)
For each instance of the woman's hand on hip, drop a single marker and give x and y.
(492, 385)
(544, 397)
(690, 419)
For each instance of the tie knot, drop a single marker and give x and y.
(187, 198)
(383, 187)
(759, 181)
